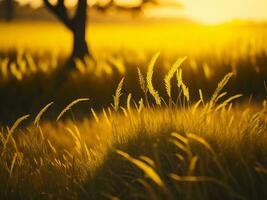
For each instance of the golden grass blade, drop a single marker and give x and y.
(68, 107)
(201, 141)
(182, 147)
(14, 126)
(31, 62)
(15, 72)
(106, 117)
(109, 112)
(18, 122)
(201, 96)
(76, 138)
(207, 71)
(149, 171)
(186, 92)
(220, 86)
(180, 137)
(150, 71)
(2, 138)
(40, 114)
(51, 146)
(41, 133)
(14, 143)
(192, 165)
(179, 75)
(220, 96)
(124, 111)
(13, 164)
(147, 160)
(196, 106)
(117, 96)
(141, 106)
(129, 103)
(77, 131)
(170, 74)
(4, 68)
(95, 115)
(227, 101)
(142, 81)
(180, 157)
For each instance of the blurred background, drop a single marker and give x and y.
(45, 55)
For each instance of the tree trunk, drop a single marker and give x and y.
(80, 48)
(76, 24)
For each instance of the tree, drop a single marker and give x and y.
(77, 23)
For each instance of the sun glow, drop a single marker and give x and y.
(207, 11)
(211, 11)
(215, 11)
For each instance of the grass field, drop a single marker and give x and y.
(173, 39)
(30, 62)
(137, 125)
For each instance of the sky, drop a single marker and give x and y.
(217, 11)
(206, 11)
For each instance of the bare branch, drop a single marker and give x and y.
(111, 4)
(60, 11)
(49, 5)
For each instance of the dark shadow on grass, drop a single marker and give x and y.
(117, 177)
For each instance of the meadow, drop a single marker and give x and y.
(33, 55)
(187, 123)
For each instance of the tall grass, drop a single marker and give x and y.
(149, 76)
(211, 150)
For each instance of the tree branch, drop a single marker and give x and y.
(60, 11)
(111, 4)
(49, 5)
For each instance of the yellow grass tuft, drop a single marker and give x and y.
(11, 131)
(150, 87)
(170, 74)
(227, 101)
(219, 88)
(68, 107)
(148, 170)
(179, 75)
(40, 114)
(142, 81)
(141, 105)
(201, 96)
(129, 103)
(116, 98)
